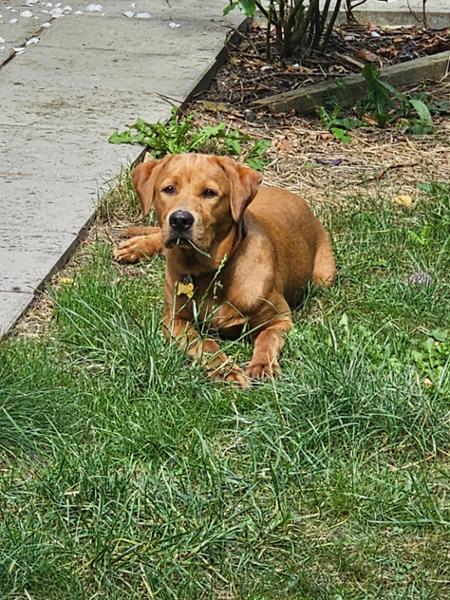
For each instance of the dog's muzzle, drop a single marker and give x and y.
(180, 223)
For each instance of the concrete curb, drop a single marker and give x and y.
(347, 90)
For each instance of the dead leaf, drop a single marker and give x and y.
(366, 55)
(370, 120)
(403, 200)
(284, 145)
(427, 382)
(325, 135)
(211, 106)
(371, 27)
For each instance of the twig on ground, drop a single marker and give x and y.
(381, 174)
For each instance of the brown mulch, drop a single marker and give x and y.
(307, 159)
(248, 75)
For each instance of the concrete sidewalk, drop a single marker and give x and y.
(91, 69)
(404, 12)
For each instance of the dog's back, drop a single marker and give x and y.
(301, 247)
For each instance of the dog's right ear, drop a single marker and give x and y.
(144, 177)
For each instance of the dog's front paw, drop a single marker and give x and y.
(134, 249)
(263, 369)
(231, 373)
(238, 376)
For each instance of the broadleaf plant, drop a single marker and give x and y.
(384, 105)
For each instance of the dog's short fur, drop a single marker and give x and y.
(241, 264)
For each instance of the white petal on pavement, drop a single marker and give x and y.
(94, 8)
(33, 40)
(46, 25)
(173, 25)
(26, 14)
(143, 15)
(12, 21)
(128, 13)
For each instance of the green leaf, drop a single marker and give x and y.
(441, 335)
(425, 187)
(422, 110)
(233, 146)
(248, 7)
(341, 135)
(439, 106)
(181, 134)
(229, 8)
(255, 163)
(259, 148)
(418, 127)
(348, 123)
(121, 138)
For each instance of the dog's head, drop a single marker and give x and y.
(197, 197)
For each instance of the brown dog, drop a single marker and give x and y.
(237, 257)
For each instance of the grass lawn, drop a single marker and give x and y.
(126, 474)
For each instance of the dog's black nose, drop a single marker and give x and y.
(181, 220)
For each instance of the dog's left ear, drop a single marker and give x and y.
(244, 185)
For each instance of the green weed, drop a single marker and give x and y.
(181, 134)
(337, 125)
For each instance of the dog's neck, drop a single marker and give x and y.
(225, 249)
(192, 263)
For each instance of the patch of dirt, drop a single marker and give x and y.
(248, 75)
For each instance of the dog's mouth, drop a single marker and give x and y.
(185, 243)
(179, 241)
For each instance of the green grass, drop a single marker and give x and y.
(126, 474)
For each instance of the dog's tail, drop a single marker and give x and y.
(324, 267)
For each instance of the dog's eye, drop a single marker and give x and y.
(209, 193)
(169, 189)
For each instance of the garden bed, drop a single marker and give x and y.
(248, 75)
